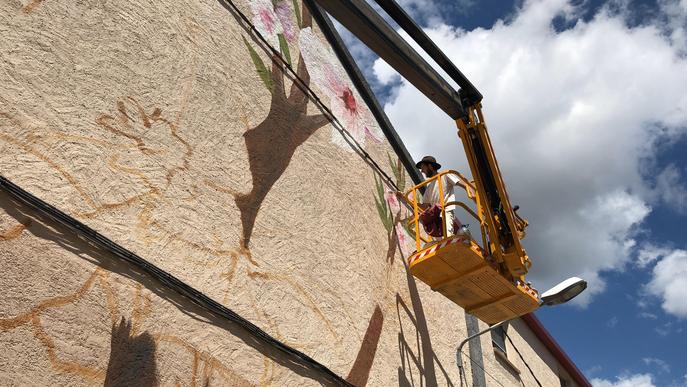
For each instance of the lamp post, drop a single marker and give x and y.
(559, 294)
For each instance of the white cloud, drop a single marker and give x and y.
(664, 329)
(669, 283)
(637, 380)
(675, 19)
(650, 253)
(660, 365)
(612, 322)
(593, 370)
(649, 316)
(671, 189)
(384, 73)
(572, 116)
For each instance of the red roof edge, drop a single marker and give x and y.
(542, 334)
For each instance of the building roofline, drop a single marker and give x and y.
(545, 337)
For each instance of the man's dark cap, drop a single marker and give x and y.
(429, 160)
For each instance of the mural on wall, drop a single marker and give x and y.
(419, 362)
(393, 213)
(272, 143)
(137, 141)
(132, 354)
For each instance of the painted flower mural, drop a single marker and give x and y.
(272, 143)
(394, 214)
(406, 242)
(266, 20)
(285, 11)
(274, 20)
(330, 78)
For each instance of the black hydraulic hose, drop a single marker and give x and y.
(180, 287)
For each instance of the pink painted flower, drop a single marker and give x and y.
(327, 73)
(406, 243)
(285, 13)
(392, 200)
(266, 20)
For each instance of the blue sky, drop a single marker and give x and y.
(587, 109)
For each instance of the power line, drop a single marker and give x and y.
(523, 359)
(482, 368)
(180, 287)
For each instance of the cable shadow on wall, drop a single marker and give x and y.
(45, 228)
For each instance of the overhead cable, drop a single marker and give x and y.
(523, 359)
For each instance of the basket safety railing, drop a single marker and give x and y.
(413, 198)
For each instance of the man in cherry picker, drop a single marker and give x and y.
(430, 217)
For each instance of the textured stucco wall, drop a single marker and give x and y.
(165, 126)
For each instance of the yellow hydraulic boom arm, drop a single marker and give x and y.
(505, 228)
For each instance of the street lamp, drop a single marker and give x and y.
(559, 294)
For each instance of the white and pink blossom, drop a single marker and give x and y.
(392, 201)
(406, 243)
(285, 13)
(326, 72)
(266, 20)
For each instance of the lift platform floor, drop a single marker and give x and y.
(460, 272)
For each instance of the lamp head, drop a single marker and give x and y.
(563, 292)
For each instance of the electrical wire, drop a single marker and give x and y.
(523, 359)
(180, 287)
(482, 368)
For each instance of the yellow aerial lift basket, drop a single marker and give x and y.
(487, 280)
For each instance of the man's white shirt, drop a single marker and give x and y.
(431, 195)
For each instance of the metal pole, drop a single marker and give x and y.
(459, 355)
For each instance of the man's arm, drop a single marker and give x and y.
(405, 200)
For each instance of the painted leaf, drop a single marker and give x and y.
(401, 176)
(399, 173)
(382, 206)
(284, 48)
(380, 187)
(382, 215)
(297, 9)
(263, 72)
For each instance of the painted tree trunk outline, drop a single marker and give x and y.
(272, 143)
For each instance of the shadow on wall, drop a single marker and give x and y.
(412, 364)
(45, 228)
(272, 143)
(362, 366)
(132, 358)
